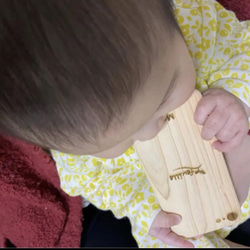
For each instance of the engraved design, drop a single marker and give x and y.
(169, 117)
(232, 216)
(186, 171)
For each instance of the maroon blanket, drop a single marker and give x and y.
(240, 7)
(34, 211)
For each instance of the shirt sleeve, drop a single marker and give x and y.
(118, 184)
(219, 45)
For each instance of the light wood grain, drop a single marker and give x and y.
(188, 176)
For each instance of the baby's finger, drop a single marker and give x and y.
(214, 123)
(166, 220)
(233, 143)
(228, 131)
(203, 109)
(171, 238)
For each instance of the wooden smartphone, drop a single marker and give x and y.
(188, 176)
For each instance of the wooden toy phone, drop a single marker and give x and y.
(188, 176)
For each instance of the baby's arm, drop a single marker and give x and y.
(221, 114)
(220, 47)
(119, 185)
(238, 162)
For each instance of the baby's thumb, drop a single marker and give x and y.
(167, 220)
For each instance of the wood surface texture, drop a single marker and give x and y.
(189, 177)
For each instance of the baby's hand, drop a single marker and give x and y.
(161, 229)
(224, 116)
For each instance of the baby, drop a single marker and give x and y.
(86, 79)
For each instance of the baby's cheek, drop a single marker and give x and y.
(151, 130)
(161, 122)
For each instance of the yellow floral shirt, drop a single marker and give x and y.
(220, 47)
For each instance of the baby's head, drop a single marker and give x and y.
(90, 76)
